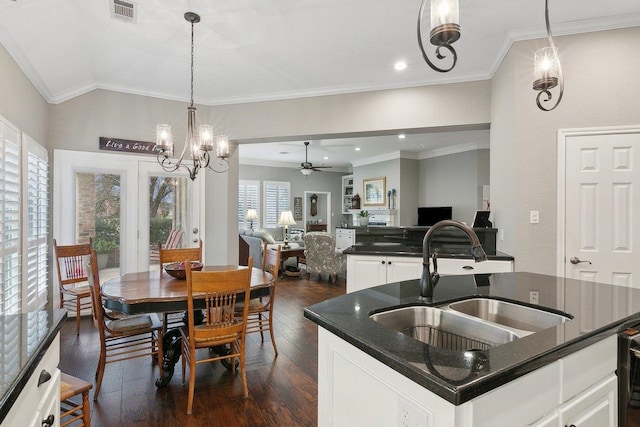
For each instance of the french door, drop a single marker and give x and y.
(126, 200)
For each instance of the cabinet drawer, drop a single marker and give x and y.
(448, 266)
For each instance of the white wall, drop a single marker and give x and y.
(601, 89)
(20, 102)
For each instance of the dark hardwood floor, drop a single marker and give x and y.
(282, 390)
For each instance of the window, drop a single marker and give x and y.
(36, 226)
(9, 219)
(23, 222)
(248, 198)
(276, 200)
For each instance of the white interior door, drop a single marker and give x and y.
(601, 205)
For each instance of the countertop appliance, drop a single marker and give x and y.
(629, 376)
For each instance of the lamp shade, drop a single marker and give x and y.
(546, 68)
(444, 12)
(286, 218)
(252, 214)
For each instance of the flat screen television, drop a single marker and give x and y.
(430, 215)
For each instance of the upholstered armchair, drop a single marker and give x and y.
(321, 255)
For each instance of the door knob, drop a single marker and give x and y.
(576, 260)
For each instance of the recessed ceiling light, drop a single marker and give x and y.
(402, 136)
(357, 148)
(326, 158)
(400, 65)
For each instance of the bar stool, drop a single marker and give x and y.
(69, 387)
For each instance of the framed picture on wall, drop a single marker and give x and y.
(374, 190)
(297, 208)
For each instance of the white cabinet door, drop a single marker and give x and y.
(597, 407)
(365, 271)
(345, 238)
(403, 268)
(550, 421)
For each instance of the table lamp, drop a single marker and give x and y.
(286, 219)
(251, 215)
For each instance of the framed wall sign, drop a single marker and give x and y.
(374, 190)
(297, 208)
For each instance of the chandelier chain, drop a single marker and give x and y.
(192, 44)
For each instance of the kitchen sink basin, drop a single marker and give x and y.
(445, 328)
(509, 314)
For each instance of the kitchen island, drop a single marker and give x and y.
(372, 375)
(30, 378)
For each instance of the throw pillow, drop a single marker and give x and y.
(264, 235)
(277, 233)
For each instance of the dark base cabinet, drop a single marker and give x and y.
(316, 227)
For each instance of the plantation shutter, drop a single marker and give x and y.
(36, 229)
(248, 198)
(276, 200)
(10, 297)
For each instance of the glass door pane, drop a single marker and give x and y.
(169, 214)
(98, 212)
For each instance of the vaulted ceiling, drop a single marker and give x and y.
(269, 49)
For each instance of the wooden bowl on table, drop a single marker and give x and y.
(177, 269)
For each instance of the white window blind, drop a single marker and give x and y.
(276, 200)
(9, 219)
(24, 171)
(36, 227)
(248, 198)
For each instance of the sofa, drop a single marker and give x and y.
(252, 243)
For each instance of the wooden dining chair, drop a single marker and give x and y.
(72, 413)
(260, 315)
(220, 291)
(167, 256)
(72, 278)
(121, 338)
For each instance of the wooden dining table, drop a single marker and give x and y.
(156, 291)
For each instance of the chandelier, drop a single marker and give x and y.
(445, 30)
(199, 144)
(547, 72)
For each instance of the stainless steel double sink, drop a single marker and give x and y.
(473, 324)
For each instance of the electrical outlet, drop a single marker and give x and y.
(502, 234)
(534, 297)
(411, 415)
(534, 217)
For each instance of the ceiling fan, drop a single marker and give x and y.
(306, 168)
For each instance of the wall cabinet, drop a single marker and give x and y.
(365, 271)
(36, 403)
(347, 193)
(345, 237)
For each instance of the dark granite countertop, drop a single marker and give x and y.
(25, 339)
(347, 317)
(401, 249)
